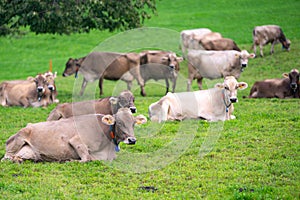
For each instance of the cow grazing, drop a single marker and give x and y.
(212, 105)
(287, 87)
(33, 92)
(217, 64)
(220, 45)
(108, 65)
(108, 105)
(188, 40)
(83, 138)
(51, 86)
(263, 35)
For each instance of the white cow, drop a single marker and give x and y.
(188, 40)
(217, 64)
(212, 105)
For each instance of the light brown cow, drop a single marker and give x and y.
(25, 93)
(108, 105)
(263, 35)
(213, 104)
(220, 45)
(50, 77)
(100, 65)
(84, 138)
(217, 64)
(208, 37)
(287, 87)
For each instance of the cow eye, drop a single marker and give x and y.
(226, 88)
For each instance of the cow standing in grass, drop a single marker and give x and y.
(263, 35)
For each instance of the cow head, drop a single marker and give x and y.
(243, 58)
(124, 100)
(50, 80)
(172, 61)
(294, 79)
(72, 66)
(122, 125)
(230, 87)
(41, 85)
(286, 44)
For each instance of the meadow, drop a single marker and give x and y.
(255, 156)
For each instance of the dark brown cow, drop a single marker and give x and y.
(108, 105)
(83, 138)
(287, 87)
(220, 44)
(25, 93)
(99, 65)
(263, 35)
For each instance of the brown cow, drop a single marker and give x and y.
(94, 66)
(220, 44)
(108, 105)
(263, 35)
(51, 86)
(25, 92)
(84, 138)
(287, 87)
(208, 37)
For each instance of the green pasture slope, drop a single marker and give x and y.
(255, 156)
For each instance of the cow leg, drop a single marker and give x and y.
(13, 146)
(80, 148)
(101, 85)
(254, 49)
(272, 47)
(199, 81)
(174, 84)
(84, 83)
(167, 85)
(129, 85)
(261, 50)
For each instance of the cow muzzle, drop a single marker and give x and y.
(293, 86)
(233, 100)
(133, 109)
(130, 140)
(40, 89)
(51, 87)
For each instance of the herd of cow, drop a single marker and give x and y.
(92, 130)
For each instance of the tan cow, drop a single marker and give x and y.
(207, 38)
(287, 87)
(104, 65)
(108, 105)
(263, 35)
(217, 64)
(212, 105)
(25, 93)
(50, 77)
(84, 138)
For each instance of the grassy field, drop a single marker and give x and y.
(255, 156)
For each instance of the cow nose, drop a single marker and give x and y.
(63, 75)
(131, 140)
(293, 85)
(172, 67)
(40, 89)
(51, 88)
(244, 65)
(233, 100)
(133, 109)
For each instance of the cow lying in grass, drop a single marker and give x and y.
(83, 138)
(32, 92)
(108, 105)
(287, 87)
(213, 104)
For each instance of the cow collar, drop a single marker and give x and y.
(113, 137)
(224, 100)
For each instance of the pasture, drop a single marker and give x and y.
(255, 156)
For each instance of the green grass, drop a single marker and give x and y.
(255, 156)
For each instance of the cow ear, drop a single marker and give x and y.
(251, 55)
(108, 120)
(30, 78)
(242, 85)
(113, 100)
(179, 59)
(140, 119)
(219, 85)
(237, 55)
(285, 75)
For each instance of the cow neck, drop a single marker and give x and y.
(224, 100)
(113, 137)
